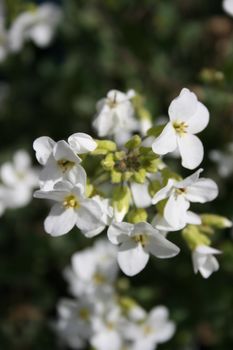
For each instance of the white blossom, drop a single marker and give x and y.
(161, 224)
(58, 159)
(181, 193)
(82, 143)
(228, 6)
(224, 160)
(188, 117)
(72, 208)
(155, 329)
(37, 25)
(136, 243)
(93, 270)
(140, 194)
(115, 116)
(204, 260)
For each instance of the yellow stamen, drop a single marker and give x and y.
(84, 314)
(71, 202)
(180, 127)
(65, 164)
(141, 238)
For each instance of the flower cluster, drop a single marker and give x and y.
(99, 314)
(37, 24)
(18, 180)
(127, 186)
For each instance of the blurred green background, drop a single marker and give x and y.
(155, 47)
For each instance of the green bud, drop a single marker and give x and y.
(134, 142)
(108, 162)
(154, 187)
(140, 176)
(104, 147)
(137, 215)
(127, 304)
(160, 206)
(215, 221)
(127, 175)
(120, 155)
(89, 190)
(121, 198)
(194, 237)
(116, 176)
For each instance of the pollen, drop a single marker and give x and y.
(180, 127)
(141, 239)
(180, 191)
(71, 202)
(65, 165)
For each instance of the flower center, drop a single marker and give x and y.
(141, 239)
(71, 202)
(98, 278)
(148, 330)
(65, 165)
(180, 127)
(84, 314)
(180, 191)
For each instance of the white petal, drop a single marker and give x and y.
(63, 151)
(162, 225)
(158, 314)
(132, 258)
(192, 218)
(199, 120)
(60, 220)
(54, 195)
(204, 190)
(188, 181)
(77, 176)
(160, 247)
(43, 147)
(22, 160)
(89, 217)
(191, 151)
(206, 250)
(228, 6)
(106, 340)
(141, 196)
(166, 142)
(184, 106)
(211, 265)
(82, 143)
(175, 210)
(119, 232)
(164, 192)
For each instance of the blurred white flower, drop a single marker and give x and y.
(204, 260)
(155, 329)
(115, 116)
(188, 117)
(228, 6)
(136, 243)
(224, 160)
(181, 193)
(37, 25)
(93, 270)
(18, 179)
(72, 208)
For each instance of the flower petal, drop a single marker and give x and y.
(199, 120)
(166, 142)
(204, 190)
(164, 192)
(184, 106)
(89, 217)
(141, 196)
(132, 258)
(82, 143)
(191, 151)
(119, 232)
(63, 151)
(60, 220)
(175, 210)
(43, 147)
(160, 247)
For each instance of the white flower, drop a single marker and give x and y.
(224, 160)
(115, 115)
(155, 329)
(18, 179)
(93, 271)
(72, 208)
(136, 243)
(82, 143)
(228, 6)
(188, 117)
(204, 261)
(181, 193)
(75, 321)
(58, 159)
(37, 25)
